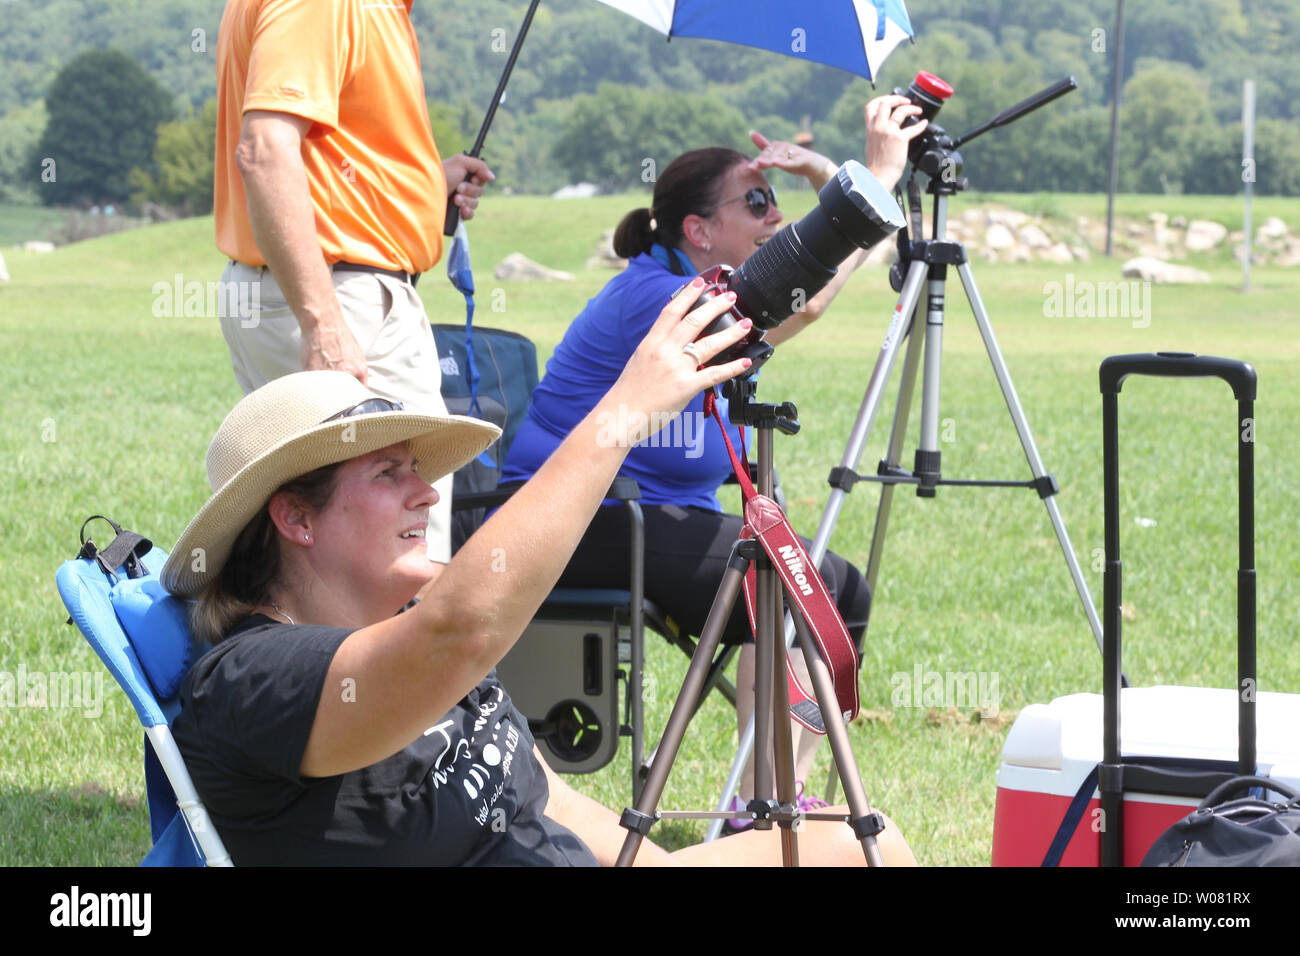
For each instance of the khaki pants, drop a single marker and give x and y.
(387, 318)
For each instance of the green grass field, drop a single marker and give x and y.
(109, 408)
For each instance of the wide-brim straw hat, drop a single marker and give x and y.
(289, 427)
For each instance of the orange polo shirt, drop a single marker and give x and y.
(352, 67)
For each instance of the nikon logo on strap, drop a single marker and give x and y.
(791, 558)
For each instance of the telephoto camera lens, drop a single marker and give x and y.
(853, 212)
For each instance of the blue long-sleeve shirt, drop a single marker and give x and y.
(685, 462)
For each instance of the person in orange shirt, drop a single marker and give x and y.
(330, 196)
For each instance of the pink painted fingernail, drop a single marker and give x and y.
(698, 282)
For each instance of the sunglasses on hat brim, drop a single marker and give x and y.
(367, 407)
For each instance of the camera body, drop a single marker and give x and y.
(932, 152)
(717, 281)
(853, 211)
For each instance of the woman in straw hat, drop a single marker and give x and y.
(325, 728)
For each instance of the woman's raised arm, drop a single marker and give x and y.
(409, 670)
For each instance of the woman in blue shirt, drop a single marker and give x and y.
(710, 207)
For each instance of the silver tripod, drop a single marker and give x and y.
(924, 264)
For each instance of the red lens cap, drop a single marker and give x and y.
(933, 85)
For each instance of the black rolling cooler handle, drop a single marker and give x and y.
(1241, 377)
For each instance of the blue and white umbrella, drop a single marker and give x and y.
(853, 35)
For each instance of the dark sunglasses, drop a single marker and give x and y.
(757, 199)
(366, 407)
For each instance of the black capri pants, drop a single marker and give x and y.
(686, 554)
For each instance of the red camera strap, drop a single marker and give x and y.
(765, 520)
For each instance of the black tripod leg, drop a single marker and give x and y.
(638, 821)
(865, 824)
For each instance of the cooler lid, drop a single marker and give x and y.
(1192, 722)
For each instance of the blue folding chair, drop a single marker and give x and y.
(142, 635)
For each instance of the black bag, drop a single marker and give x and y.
(1244, 832)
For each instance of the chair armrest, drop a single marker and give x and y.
(623, 488)
(753, 474)
(495, 498)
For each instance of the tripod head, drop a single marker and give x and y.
(934, 153)
(742, 409)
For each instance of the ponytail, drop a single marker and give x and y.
(635, 234)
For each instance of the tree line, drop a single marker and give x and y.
(598, 96)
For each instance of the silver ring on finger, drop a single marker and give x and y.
(689, 349)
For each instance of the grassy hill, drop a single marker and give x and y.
(110, 405)
(18, 224)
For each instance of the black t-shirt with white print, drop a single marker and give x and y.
(468, 791)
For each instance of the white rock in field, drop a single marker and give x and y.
(1258, 254)
(1291, 255)
(519, 266)
(1008, 217)
(1081, 253)
(1272, 228)
(576, 191)
(1203, 235)
(1034, 237)
(605, 255)
(38, 245)
(998, 236)
(4, 273)
(974, 217)
(1059, 252)
(1161, 272)
(1160, 232)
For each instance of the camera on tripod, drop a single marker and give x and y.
(932, 152)
(853, 211)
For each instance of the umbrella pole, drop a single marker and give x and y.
(453, 212)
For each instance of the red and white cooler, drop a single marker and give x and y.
(1053, 748)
